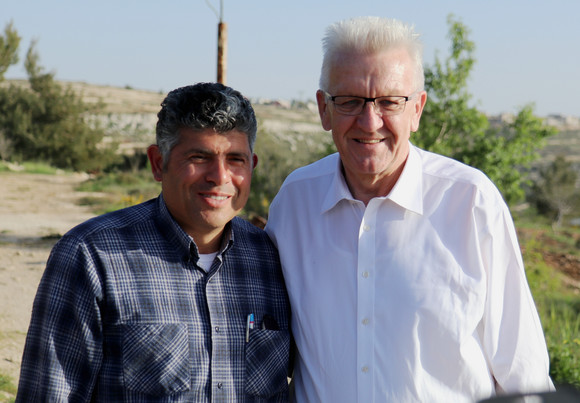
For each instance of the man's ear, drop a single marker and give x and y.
(254, 161)
(418, 111)
(323, 110)
(156, 161)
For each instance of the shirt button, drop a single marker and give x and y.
(365, 274)
(365, 321)
(220, 385)
(365, 369)
(217, 329)
(366, 227)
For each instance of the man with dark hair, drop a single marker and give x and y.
(175, 299)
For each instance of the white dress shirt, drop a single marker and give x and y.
(421, 296)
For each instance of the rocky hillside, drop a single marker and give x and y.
(131, 113)
(134, 112)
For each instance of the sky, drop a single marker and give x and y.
(527, 51)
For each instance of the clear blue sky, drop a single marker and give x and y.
(526, 51)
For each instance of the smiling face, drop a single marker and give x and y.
(373, 148)
(206, 181)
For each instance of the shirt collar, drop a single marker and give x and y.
(338, 189)
(407, 192)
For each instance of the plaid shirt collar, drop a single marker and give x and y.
(185, 244)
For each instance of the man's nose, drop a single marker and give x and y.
(218, 172)
(370, 119)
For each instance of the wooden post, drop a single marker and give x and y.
(222, 52)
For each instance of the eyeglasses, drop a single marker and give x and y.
(385, 106)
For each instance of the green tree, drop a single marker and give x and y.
(276, 159)
(9, 44)
(554, 193)
(268, 175)
(450, 126)
(45, 121)
(448, 121)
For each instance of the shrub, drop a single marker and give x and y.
(45, 121)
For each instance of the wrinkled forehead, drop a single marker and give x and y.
(388, 72)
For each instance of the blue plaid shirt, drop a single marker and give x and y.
(124, 314)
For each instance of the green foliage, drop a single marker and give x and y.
(562, 329)
(450, 126)
(7, 386)
(29, 167)
(46, 121)
(277, 158)
(448, 122)
(115, 190)
(540, 276)
(554, 193)
(273, 167)
(505, 154)
(38, 168)
(9, 44)
(558, 304)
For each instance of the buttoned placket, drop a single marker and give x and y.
(366, 302)
(219, 387)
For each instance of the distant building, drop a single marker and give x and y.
(564, 122)
(560, 122)
(501, 120)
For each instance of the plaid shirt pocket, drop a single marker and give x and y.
(267, 360)
(156, 358)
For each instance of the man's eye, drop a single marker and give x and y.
(353, 102)
(387, 103)
(238, 160)
(349, 103)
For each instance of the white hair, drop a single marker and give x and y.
(370, 35)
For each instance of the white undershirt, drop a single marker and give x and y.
(205, 260)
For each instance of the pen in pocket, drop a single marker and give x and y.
(249, 325)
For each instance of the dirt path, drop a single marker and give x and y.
(34, 211)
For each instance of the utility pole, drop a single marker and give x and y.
(222, 53)
(222, 50)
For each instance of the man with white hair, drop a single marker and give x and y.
(404, 273)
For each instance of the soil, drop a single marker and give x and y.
(35, 210)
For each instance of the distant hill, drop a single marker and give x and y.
(133, 112)
(138, 108)
(116, 100)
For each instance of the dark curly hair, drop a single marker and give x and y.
(203, 106)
